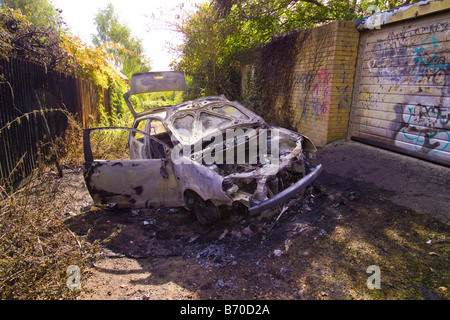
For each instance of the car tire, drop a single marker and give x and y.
(206, 212)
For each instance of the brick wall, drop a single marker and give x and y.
(323, 81)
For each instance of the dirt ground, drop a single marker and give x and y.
(369, 207)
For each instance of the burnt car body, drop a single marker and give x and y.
(203, 155)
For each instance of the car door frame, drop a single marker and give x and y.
(131, 183)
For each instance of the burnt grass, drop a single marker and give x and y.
(319, 248)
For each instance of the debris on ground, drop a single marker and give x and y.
(319, 247)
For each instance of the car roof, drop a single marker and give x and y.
(168, 115)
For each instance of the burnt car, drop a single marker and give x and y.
(205, 155)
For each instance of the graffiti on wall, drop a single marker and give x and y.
(415, 58)
(315, 94)
(343, 97)
(427, 62)
(304, 79)
(407, 52)
(425, 129)
(320, 101)
(425, 126)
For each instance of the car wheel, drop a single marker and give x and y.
(206, 212)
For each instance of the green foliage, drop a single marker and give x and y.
(40, 13)
(20, 38)
(156, 99)
(58, 50)
(129, 57)
(205, 57)
(91, 64)
(219, 30)
(116, 91)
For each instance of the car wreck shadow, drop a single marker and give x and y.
(171, 246)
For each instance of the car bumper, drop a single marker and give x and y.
(288, 192)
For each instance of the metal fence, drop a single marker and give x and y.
(33, 102)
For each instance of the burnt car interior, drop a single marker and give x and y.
(150, 148)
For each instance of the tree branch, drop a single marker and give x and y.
(317, 3)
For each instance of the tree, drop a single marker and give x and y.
(203, 50)
(41, 13)
(129, 53)
(220, 29)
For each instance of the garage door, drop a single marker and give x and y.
(401, 98)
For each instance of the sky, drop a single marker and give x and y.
(79, 16)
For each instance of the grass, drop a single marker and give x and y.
(36, 247)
